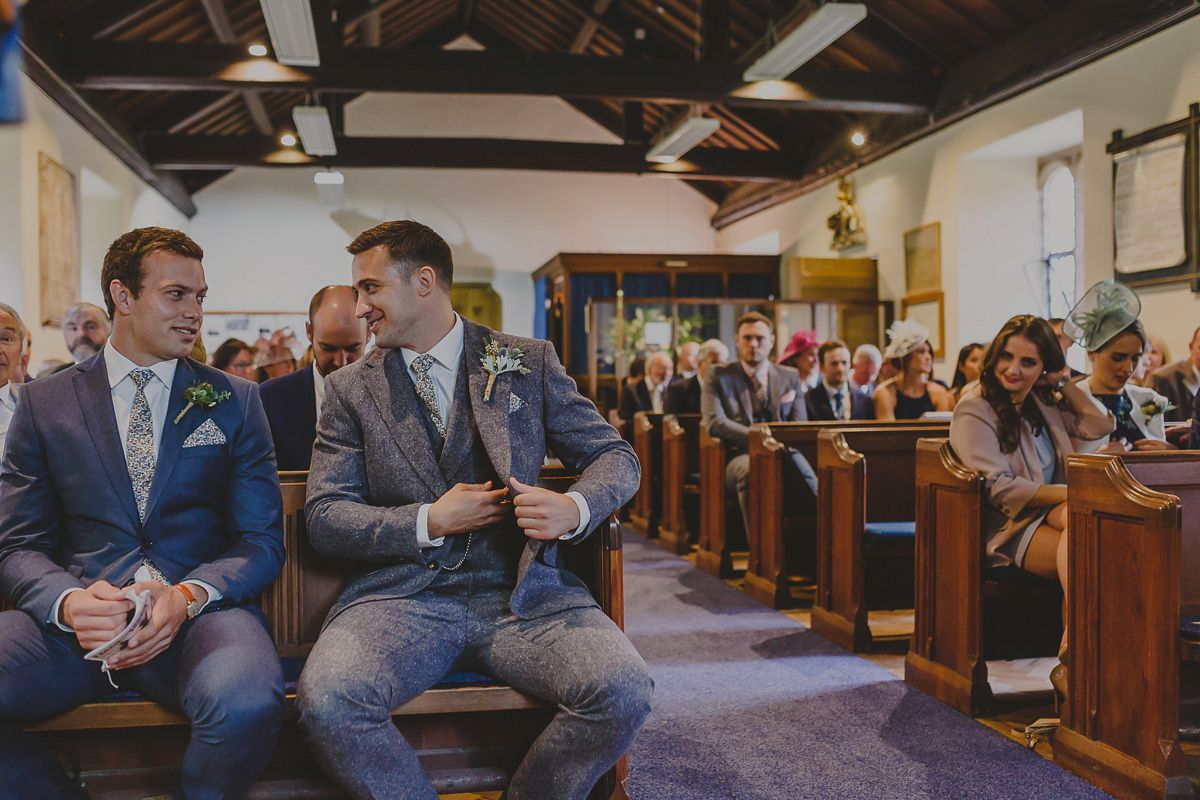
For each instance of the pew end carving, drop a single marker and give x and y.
(645, 514)
(721, 526)
(678, 527)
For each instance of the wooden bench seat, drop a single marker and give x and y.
(679, 525)
(468, 737)
(646, 511)
(865, 526)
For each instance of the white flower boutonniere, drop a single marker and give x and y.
(498, 360)
(1152, 408)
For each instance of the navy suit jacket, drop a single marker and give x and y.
(634, 399)
(214, 513)
(683, 396)
(291, 405)
(820, 405)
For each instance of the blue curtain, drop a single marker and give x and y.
(646, 284)
(583, 287)
(697, 285)
(541, 325)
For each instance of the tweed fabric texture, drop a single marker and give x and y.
(424, 384)
(140, 447)
(206, 434)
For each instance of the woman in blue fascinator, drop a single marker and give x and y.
(1105, 323)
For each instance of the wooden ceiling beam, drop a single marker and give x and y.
(702, 163)
(587, 31)
(1075, 35)
(144, 66)
(218, 18)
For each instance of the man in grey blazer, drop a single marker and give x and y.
(426, 455)
(112, 482)
(1179, 381)
(750, 390)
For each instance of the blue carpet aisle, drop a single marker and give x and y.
(750, 705)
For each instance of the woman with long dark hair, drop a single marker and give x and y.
(966, 369)
(912, 392)
(1017, 426)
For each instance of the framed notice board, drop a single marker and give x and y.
(1156, 206)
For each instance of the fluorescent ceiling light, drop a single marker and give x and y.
(293, 37)
(329, 177)
(822, 28)
(681, 138)
(316, 134)
(330, 187)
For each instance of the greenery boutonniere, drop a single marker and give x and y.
(1152, 408)
(203, 395)
(498, 360)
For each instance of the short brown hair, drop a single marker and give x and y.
(125, 259)
(829, 346)
(753, 317)
(410, 245)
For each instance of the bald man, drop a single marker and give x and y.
(293, 401)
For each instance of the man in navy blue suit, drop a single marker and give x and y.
(142, 470)
(293, 401)
(834, 398)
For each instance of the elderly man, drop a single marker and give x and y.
(1179, 382)
(647, 395)
(688, 364)
(13, 360)
(683, 397)
(85, 329)
(865, 368)
(293, 401)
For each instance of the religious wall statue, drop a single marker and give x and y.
(847, 224)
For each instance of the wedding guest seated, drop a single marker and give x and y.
(13, 359)
(235, 357)
(966, 369)
(866, 364)
(832, 398)
(1114, 341)
(687, 363)
(1064, 341)
(1178, 382)
(683, 397)
(85, 328)
(750, 390)
(1155, 356)
(273, 356)
(801, 355)
(911, 392)
(1016, 429)
(293, 402)
(647, 394)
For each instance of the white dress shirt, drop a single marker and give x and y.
(8, 406)
(318, 388)
(158, 396)
(447, 354)
(656, 395)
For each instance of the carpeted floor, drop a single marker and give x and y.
(750, 705)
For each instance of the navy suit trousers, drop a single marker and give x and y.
(221, 672)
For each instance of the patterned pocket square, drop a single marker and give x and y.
(208, 433)
(514, 403)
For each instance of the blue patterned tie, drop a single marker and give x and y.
(420, 367)
(140, 445)
(837, 404)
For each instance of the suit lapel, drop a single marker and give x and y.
(394, 394)
(491, 417)
(95, 399)
(308, 408)
(458, 438)
(1136, 415)
(174, 434)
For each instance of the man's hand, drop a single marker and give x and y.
(1116, 446)
(544, 514)
(168, 613)
(467, 507)
(96, 614)
(1152, 444)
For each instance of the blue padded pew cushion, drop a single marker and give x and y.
(1189, 627)
(889, 532)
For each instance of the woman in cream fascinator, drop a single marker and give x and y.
(911, 393)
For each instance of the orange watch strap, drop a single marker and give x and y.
(191, 598)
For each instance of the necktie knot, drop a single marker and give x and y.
(422, 364)
(141, 376)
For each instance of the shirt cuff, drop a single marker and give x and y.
(585, 516)
(213, 594)
(423, 540)
(58, 605)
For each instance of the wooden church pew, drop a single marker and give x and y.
(646, 511)
(468, 737)
(680, 482)
(954, 601)
(776, 539)
(1134, 568)
(865, 526)
(720, 516)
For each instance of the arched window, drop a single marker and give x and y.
(1059, 216)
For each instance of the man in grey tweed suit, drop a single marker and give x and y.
(423, 471)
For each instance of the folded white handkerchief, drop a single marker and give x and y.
(514, 403)
(208, 433)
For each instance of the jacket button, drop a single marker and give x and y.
(434, 565)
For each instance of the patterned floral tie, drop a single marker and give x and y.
(140, 447)
(760, 390)
(420, 367)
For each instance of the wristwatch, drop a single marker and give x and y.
(193, 605)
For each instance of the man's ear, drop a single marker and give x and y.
(308, 331)
(426, 280)
(121, 297)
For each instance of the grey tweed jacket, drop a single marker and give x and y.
(373, 467)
